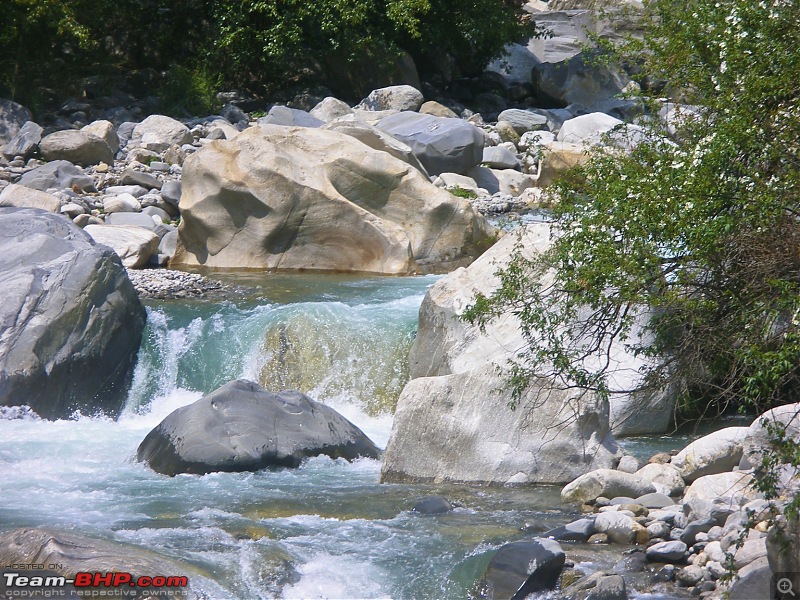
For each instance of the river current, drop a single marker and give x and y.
(325, 530)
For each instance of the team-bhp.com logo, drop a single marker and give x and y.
(36, 583)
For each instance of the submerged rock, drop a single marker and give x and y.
(432, 505)
(243, 427)
(70, 319)
(521, 568)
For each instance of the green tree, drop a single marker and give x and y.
(271, 42)
(186, 48)
(697, 225)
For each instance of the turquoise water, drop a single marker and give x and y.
(325, 530)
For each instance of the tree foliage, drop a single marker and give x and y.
(255, 44)
(696, 226)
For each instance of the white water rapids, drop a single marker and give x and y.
(325, 530)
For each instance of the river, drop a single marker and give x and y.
(325, 530)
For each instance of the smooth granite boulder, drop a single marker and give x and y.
(70, 320)
(446, 344)
(289, 117)
(105, 131)
(523, 120)
(394, 97)
(607, 483)
(442, 145)
(132, 243)
(714, 453)
(310, 199)
(20, 196)
(329, 109)
(784, 418)
(159, 132)
(667, 552)
(734, 487)
(459, 428)
(78, 147)
(243, 427)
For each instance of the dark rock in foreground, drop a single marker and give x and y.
(432, 505)
(70, 319)
(243, 427)
(521, 568)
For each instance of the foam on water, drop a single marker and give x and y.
(325, 530)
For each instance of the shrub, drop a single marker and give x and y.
(697, 225)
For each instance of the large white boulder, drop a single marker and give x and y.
(303, 198)
(587, 129)
(445, 344)
(764, 428)
(460, 428)
(453, 421)
(663, 474)
(714, 453)
(734, 487)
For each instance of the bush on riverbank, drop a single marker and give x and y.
(698, 222)
(256, 46)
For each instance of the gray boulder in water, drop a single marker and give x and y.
(243, 427)
(521, 568)
(70, 321)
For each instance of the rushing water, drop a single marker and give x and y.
(325, 530)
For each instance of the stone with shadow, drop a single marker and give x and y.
(243, 427)
(521, 568)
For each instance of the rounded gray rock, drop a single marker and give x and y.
(442, 145)
(243, 427)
